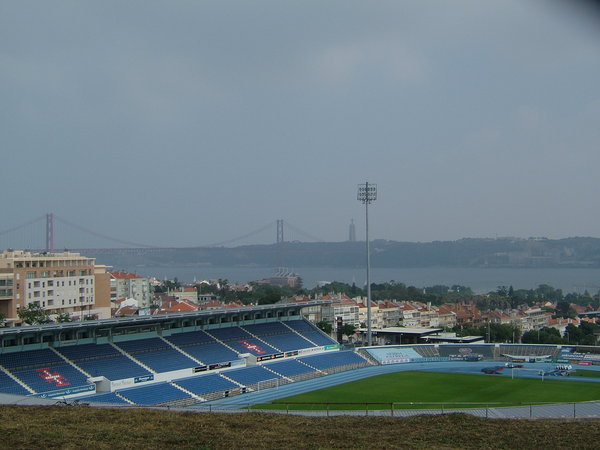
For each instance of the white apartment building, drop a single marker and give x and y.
(130, 285)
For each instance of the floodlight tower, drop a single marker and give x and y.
(367, 193)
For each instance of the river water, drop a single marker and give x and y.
(481, 280)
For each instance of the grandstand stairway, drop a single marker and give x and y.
(283, 377)
(304, 337)
(174, 347)
(127, 355)
(183, 352)
(221, 342)
(9, 384)
(69, 361)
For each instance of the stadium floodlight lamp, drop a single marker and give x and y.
(367, 193)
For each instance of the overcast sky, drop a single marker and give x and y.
(193, 122)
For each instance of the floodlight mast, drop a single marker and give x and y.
(367, 193)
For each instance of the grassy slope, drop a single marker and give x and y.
(448, 388)
(71, 427)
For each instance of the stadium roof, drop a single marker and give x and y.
(179, 317)
(415, 331)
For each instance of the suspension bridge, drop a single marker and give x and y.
(50, 232)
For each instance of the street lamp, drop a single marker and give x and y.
(367, 193)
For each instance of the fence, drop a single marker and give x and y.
(396, 409)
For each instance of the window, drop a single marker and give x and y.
(30, 275)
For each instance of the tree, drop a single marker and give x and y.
(348, 329)
(325, 326)
(564, 309)
(545, 335)
(63, 317)
(2, 320)
(33, 314)
(172, 285)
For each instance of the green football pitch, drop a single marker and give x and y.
(436, 390)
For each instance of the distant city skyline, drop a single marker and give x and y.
(187, 124)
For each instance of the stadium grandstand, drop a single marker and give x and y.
(172, 360)
(185, 359)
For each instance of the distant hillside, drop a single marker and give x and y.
(505, 252)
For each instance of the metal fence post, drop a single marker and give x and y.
(392, 405)
(530, 411)
(574, 410)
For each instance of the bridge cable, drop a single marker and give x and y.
(299, 231)
(23, 225)
(252, 233)
(93, 233)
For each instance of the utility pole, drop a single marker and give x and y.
(367, 193)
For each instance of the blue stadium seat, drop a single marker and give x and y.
(10, 386)
(103, 360)
(310, 332)
(203, 347)
(153, 394)
(206, 384)
(251, 375)
(157, 354)
(253, 346)
(278, 336)
(332, 359)
(43, 370)
(229, 334)
(289, 367)
(105, 397)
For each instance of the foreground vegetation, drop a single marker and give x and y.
(437, 388)
(81, 427)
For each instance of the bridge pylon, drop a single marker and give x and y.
(50, 232)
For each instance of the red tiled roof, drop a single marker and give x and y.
(127, 311)
(124, 275)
